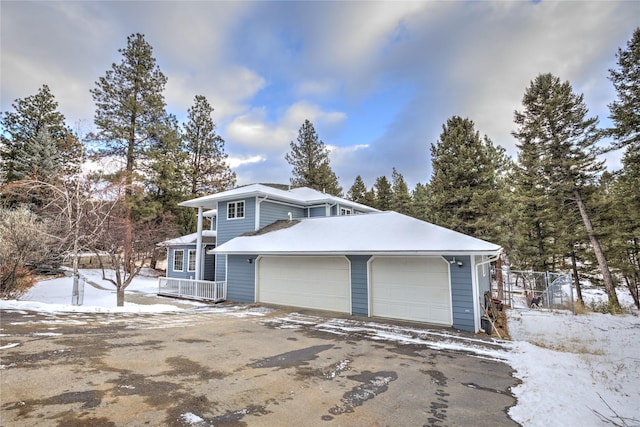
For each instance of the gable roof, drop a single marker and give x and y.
(303, 196)
(388, 233)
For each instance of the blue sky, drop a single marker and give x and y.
(377, 79)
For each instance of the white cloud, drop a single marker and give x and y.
(253, 129)
(237, 161)
(228, 91)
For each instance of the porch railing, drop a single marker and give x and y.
(204, 290)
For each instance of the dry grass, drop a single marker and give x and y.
(573, 345)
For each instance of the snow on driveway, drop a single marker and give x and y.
(575, 370)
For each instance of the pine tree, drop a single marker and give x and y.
(164, 173)
(358, 191)
(420, 198)
(463, 189)
(129, 107)
(208, 171)
(40, 159)
(401, 200)
(624, 203)
(555, 122)
(625, 111)
(370, 197)
(310, 161)
(622, 207)
(384, 194)
(33, 115)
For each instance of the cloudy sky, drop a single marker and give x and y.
(377, 79)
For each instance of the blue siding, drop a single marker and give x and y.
(208, 269)
(185, 263)
(221, 267)
(318, 211)
(462, 294)
(241, 281)
(271, 212)
(230, 228)
(359, 285)
(484, 283)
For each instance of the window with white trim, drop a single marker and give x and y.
(235, 210)
(345, 211)
(178, 260)
(192, 260)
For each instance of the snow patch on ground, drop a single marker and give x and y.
(575, 370)
(190, 418)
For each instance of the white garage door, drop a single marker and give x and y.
(415, 288)
(321, 283)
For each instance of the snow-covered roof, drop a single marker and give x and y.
(374, 233)
(208, 236)
(304, 196)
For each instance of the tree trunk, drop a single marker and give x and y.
(633, 290)
(634, 280)
(576, 277)
(602, 261)
(120, 296)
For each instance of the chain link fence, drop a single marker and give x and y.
(534, 289)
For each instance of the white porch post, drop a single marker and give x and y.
(199, 246)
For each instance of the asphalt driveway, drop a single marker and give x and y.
(242, 367)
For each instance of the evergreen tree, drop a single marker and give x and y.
(358, 191)
(164, 174)
(401, 200)
(24, 126)
(625, 111)
(370, 198)
(463, 189)
(129, 107)
(623, 203)
(384, 194)
(420, 198)
(40, 159)
(622, 210)
(554, 120)
(310, 161)
(208, 171)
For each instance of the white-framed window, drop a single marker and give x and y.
(192, 260)
(235, 210)
(178, 260)
(345, 211)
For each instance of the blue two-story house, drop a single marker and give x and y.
(303, 248)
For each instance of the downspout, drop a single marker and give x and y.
(476, 289)
(199, 246)
(257, 221)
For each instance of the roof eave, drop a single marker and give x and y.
(363, 252)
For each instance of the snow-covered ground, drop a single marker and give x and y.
(575, 370)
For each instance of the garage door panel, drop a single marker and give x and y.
(311, 282)
(411, 289)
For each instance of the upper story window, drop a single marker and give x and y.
(178, 260)
(345, 211)
(235, 210)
